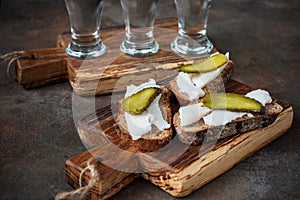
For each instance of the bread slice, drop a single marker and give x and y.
(195, 133)
(215, 85)
(155, 139)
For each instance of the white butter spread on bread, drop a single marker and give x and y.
(138, 125)
(262, 96)
(191, 113)
(156, 117)
(132, 89)
(203, 79)
(222, 117)
(192, 84)
(186, 85)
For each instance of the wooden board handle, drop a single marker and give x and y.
(41, 67)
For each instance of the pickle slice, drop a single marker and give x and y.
(140, 101)
(233, 102)
(207, 65)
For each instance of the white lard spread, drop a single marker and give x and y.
(185, 85)
(138, 125)
(262, 96)
(222, 117)
(192, 113)
(192, 84)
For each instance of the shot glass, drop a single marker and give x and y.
(192, 21)
(139, 16)
(85, 18)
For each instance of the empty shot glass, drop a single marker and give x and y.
(85, 18)
(192, 21)
(139, 16)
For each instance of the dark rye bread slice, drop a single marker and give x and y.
(155, 139)
(215, 85)
(195, 133)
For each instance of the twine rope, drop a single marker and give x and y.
(11, 58)
(82, 190)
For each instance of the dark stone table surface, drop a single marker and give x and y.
(37, 128)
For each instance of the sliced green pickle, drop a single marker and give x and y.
(207, 65)
(233, 102)
(140, 101)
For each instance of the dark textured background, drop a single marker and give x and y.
(37, 128)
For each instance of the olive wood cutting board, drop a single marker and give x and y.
(178, 176)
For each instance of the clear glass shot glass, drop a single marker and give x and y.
(139, 16)
(192, 21)
(85, 18)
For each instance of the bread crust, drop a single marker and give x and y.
(215, 85)
(155, 139)
(195, 133)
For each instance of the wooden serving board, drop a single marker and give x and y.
(177, 175)
(41, 67)
(99, 76)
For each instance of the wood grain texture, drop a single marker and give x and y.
(42, 67)
(104, 75)
(110, 181)
(48, 66)
(64, 39)
(113, 71)
(178, 169)
(180, 178)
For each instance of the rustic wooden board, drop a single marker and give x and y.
(100, 76)
(180, 176)
(41, 67)
(64, 39)
(111, 181)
